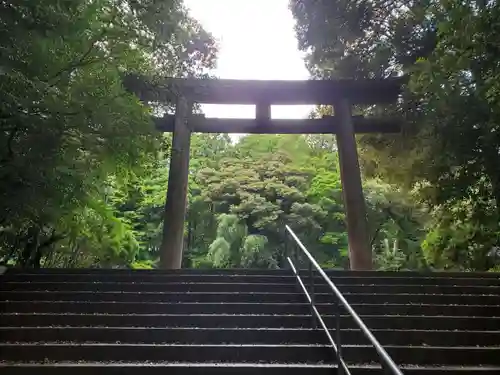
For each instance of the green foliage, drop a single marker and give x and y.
(70, 131)
(233, 247)
(462, 237)
(242, 202)
(219, 253)
(143, 265)
(256, 254)
(83, 174)
(390, 258)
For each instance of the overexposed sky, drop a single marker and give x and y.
(257, 41)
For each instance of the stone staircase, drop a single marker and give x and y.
(194, 322)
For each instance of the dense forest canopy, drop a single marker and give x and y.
(70, 133)
(83, 173)
(448, 154)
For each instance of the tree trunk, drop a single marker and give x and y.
(30, 247)
(496, 194)
(36, 262)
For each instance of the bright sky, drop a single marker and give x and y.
(257, 41)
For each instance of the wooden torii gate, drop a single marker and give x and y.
(342, 94)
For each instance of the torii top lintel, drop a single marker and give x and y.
(227, 91)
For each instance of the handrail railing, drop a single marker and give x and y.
(388, 365)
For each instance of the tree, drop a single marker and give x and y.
(396, 224)
(448, 150)
(264, 182)
(363, 39)
(67, 124)
(235, 248)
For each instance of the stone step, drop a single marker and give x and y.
(245, 321)
(210, 322)
(151, 335)
(248, 271)
(227, 353)
(114, 307)
(148, 368)
(377, 298)
(251, 276)
(168, 353)
(290, 287)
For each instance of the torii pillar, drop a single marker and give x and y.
(360, 253)
(175, 207)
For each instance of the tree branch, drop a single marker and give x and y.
(377, 231)
(81, 61)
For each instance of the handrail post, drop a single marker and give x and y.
(286, 265)
(337, 336)
(296, 257)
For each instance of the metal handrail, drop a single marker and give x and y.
(388, 365)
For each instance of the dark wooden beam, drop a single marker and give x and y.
(227, 91)
(360, 253)
(326, 125)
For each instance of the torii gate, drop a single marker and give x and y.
(339, 93)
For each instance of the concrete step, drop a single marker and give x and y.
(405, 298)
(169, 353)
(251, 271)
(245, 321)
(357, 298)
(413, 289)
(288, 287)
(261, 276)
(415, 355)
(112, 307)
(117, 307)
(148, 368)
(165, 278)
(156, 320)
(151, 335)
(149, 272)
(417, 309)
(173, 297)
(151, 287)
